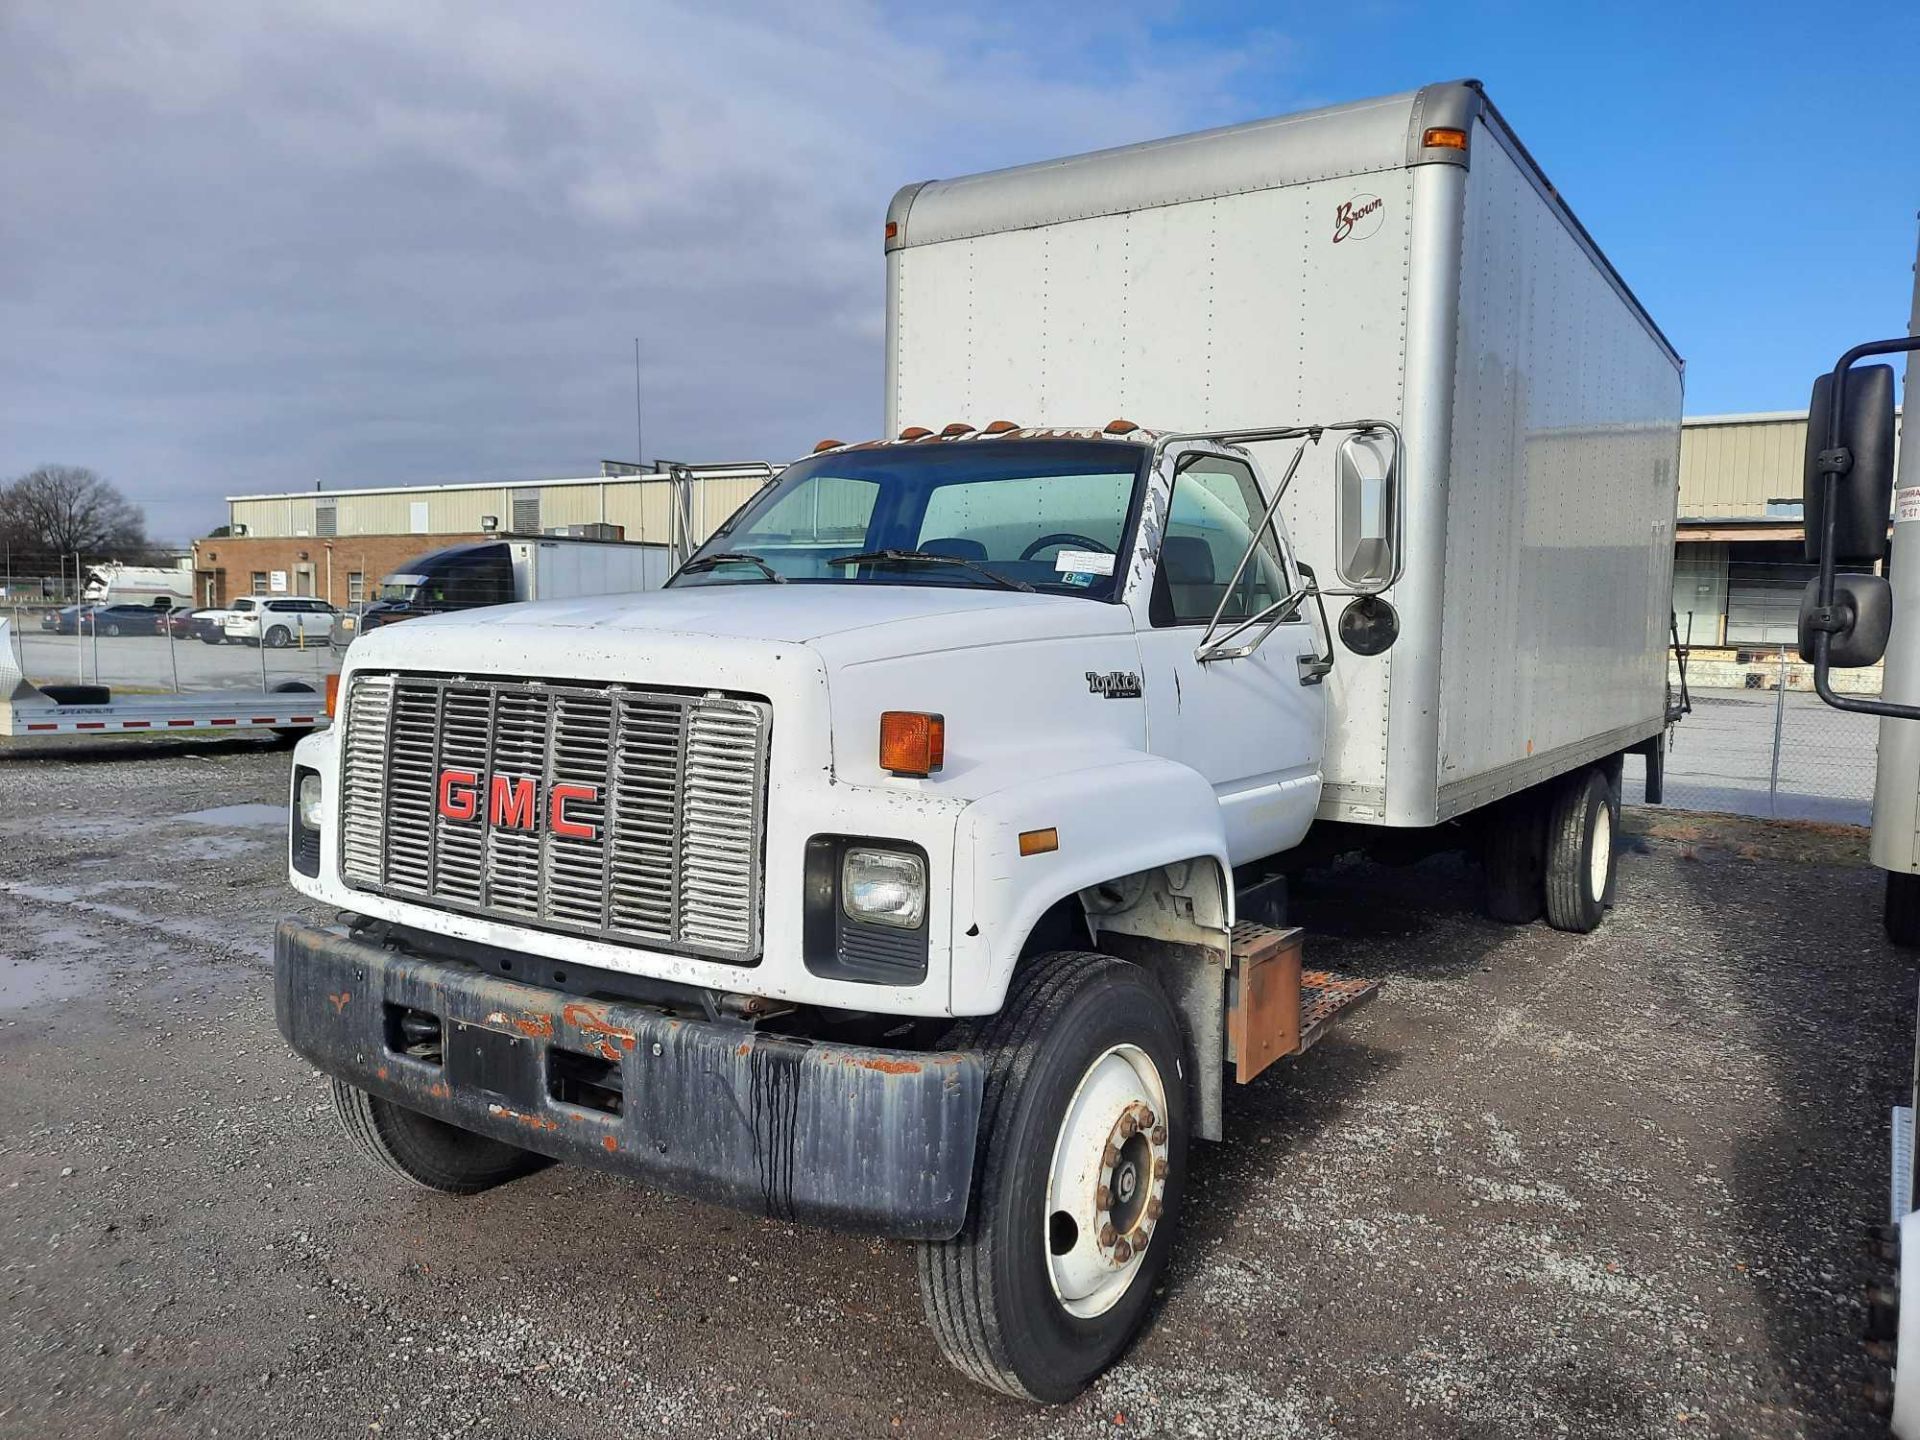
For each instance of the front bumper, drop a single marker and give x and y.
(855, 1138)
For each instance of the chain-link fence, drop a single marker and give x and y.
(149, 656)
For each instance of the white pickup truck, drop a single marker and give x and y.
(908, 864)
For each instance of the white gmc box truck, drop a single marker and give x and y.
(906, 864)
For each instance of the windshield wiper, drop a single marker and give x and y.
(927, 557)
(731, 557)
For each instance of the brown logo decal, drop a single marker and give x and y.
(1358, 218)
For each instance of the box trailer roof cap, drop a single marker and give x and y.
(1417, 127)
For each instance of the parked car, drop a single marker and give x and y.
(123, 620)
(276, 622)
(205, 623)
(65, 620)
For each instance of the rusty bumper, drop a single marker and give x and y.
(877, 1141)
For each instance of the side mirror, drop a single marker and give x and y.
(1367, 511)
(1863, 494)
(1863, 608)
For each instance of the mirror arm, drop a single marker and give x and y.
(1275, 615)
(1206, 648)
(1833, 464)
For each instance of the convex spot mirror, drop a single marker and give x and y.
(1863, 494)
(1367, 537)
(1864, 605)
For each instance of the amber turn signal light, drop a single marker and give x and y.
(912, 742)
(1445, 137)
(333, 696)
(1039, 842)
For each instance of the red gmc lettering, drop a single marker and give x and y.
(557, 820)
(512, 807)
(459, 794)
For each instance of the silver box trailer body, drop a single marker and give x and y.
(568, 569)
(1335, 264)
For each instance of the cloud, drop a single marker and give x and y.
(246, 247)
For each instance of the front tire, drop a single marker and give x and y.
(1901, 914)
(428, 1152)
(1580, 852)
(278, 637)
(1077, 1179)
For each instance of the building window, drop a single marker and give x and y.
(356, 587)
(526, 512)
(1785, 509)
(259, 582)
(417, 517)
(326, 518)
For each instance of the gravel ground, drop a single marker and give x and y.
(1547, 1185)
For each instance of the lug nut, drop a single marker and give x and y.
(1146, 1119)
(1123, 1252)
(1159, 1135)
(1110, 1157)
(1103, 1199)
(1108, 1235)
(1128, 1127)
(1160, 1168)
(1153, 1207)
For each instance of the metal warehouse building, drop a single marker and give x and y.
(1740, 565)
(336, 544)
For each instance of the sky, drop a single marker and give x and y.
(247, 246)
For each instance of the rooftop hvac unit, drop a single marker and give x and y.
(595, 531)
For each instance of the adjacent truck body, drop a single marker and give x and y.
(915, 861)
(501, 572)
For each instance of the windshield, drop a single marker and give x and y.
(399, 594)
(1047, 515)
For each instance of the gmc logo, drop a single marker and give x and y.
(513, 804)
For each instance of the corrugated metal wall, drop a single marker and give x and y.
(641, 506)
(1732, 466)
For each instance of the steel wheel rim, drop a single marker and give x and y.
(1106, 1181)
(1602, 852)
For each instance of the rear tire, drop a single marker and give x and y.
(1028, 1299)
(1514, 855)
(1901, 914)
(113, 629)
(428, 1152)
(278, 637)
(1580, 852)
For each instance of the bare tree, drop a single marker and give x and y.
(59, 509)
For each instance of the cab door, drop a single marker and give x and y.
(1253, 725)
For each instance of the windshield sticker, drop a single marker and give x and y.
(1083, 562)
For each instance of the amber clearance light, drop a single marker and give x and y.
(912, 742)
(333, 696)
(1445, 137)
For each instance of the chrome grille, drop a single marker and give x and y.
(669, 784)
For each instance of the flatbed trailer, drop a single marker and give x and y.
(292, 707)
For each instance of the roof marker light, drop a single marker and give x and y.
(1444, 137)
(1000, 427)
(1120, 427)
(955, 431)
(828, 445)
(915, 432)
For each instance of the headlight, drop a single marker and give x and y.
(309, 802)
(884, 887)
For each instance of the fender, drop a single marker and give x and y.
(1116, 814)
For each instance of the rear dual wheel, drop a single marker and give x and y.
(1552, 850)
(1078, 1176)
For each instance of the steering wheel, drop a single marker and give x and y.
(1065, 537)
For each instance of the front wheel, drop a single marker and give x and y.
(430, 1153)
(1077, 1179)
(278, 637)
(113, 629)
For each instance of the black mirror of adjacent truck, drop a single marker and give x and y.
(1368, 510)
(1863, 610)
(1862, 467)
